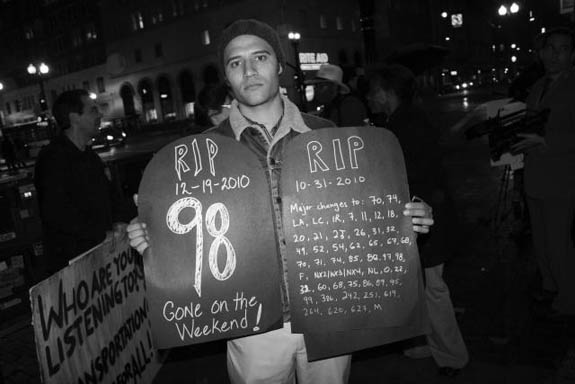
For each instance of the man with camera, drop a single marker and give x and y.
(550, 171)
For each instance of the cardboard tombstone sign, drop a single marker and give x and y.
(213, 269)
(352, 255)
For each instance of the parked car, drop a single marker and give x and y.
(108, 137)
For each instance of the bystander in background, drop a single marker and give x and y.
(78, 206)
(550, 172)
(340, 105)
(213, 105)
(392, 91)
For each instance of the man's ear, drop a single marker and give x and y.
(280, 69)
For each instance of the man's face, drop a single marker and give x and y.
(90, 119)
(557, 54)
(378, 99)
(326, 92)
(252, 70)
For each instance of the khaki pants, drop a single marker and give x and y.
(276, 357)
(445, 342)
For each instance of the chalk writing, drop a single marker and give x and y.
(211, 234)
(352, 260)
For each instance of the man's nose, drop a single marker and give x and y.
(249, 68)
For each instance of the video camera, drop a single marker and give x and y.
(502, 130)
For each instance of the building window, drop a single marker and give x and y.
(76, 39)
(206, 37)
(86, 85)
(100, 84)
(138, 55)
(159, 50)
(137, 21)
(177, 8)
(322, 22)
(157, 17)
(338, 23)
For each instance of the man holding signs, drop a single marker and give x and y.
(265, 121)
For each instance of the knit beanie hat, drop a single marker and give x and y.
(251, 27)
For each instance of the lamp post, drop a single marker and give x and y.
(40, 70)
(295, 37)
(1, 117)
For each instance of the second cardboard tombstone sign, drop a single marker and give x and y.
(353, 260)
(213, 271)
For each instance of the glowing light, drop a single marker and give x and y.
(514, 8)
(109, 137)
(513, 59)
(453, 73)
(444, 15)
(502, 10)
(513, 46)
(294, 36)
(93, 96)
(447, 38)
(44, 68)
(543, 30)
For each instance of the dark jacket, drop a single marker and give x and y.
(76, 201)
(419, 140)
(254, 141)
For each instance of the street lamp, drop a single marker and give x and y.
(40, 70)
(502, 11)
(295, 37)
(514, 8)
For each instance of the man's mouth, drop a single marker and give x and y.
(251, 87)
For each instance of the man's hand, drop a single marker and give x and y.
(421, 215)
(528, 142)
(138, 235)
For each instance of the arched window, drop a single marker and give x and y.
(211, 74)
(166, 99)
(127, 95)
(188, 90)
(146, 93)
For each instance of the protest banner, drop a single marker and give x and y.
(352, 255)
(91, 320)
(213, 269)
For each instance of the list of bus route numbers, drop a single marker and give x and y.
(350, 256)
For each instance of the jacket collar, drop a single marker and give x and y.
(292, 120)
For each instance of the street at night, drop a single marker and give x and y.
(311, 192)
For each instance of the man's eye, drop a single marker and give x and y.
(261, 57)
(234, 64)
